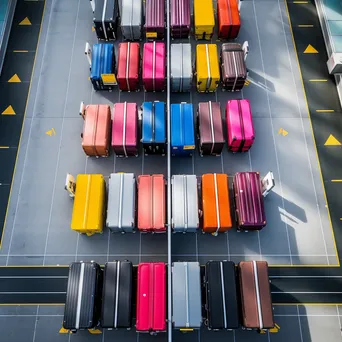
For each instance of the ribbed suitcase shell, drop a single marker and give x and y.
(221, 293)
(207, 68)
(255, 293)
(125, 129)
(181, 67)
(153, 127)
(240, 128)
(153, 73)
(204, 19)
(151, 203)
(89, 208)
(184, 203)
(215, 203)
(121, 202)
(83, 297)
(228, 17)
(182, 129)
(155, 19)
(128, 66)
(249, 202)
(186, 295)
(210, 128)
(106, 19)
(180, 18)
(131, 19)
(151, 297)
(117, 294)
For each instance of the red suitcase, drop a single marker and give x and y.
(228, 17)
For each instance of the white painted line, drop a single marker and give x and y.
(35, 325)
(33, 277)
(304, 292)
(300, 325)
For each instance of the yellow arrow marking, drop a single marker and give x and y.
(8, 111)
(310, 49)
(283, 132)
(95, 331)
(25, 21)
(247, 82)
(63, 331)
(332, 141)
(51, 132)
(92, 28)
(14, 79)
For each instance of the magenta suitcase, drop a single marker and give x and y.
(155, 19)
(125, 129)
(153, 74)
(240, 129)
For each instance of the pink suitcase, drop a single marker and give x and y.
(240, 129)
(125, 129)
(153, 74)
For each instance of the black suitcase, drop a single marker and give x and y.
(221, 295)
(117, 295)
(106, 19)
(83, 297)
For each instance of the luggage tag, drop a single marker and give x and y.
(109, 79)
(151, 34)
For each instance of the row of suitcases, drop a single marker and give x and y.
(221, 295)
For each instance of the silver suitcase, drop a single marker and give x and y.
(181, 67)
(186, 295)
(131, 19)
(121, 202)
(184, 203)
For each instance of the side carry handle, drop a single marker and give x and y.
(88, 52)
(70, 185)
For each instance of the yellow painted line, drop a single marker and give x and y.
(305, 26)
(300, 2)
(3, 147)
(336, 180)
(325, 111)
(21, 51)
(322, 80)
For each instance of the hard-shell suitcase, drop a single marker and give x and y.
(215, 203)
(186, 296)
(83, 297)
(221, 295)
(240, 128)
(181, 67)
(151, 203)
(117, 295)
(207, 68)
(131, 19)
(89, 204)
(151, 297)
(125, 129)
(228, 17)
(184, 203)
(182, 129)
(106, 19)
(121, 202)
(204, 19)
(155, 19)
(153, 127)
(96, 130)
(234, 72)
(249, 202)
(180, 18)
(153, 73)
(210, 128)
(128, 66)
(256, 303)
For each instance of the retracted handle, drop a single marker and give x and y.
(245, 49)
(124, 129)
(185, 189)
(154, 66)
(153, 121)
(120, 201)
(70, 185)
(211, 126)
(217, 206)
(187, 324)
(127, 65)
(181, 70)
(208, 66)
(92, 4)
(88, 52)
(130, 20)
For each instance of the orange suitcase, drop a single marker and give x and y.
(228, 17)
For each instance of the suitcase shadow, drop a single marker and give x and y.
(260, 81)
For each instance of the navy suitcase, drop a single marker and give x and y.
(106, 19)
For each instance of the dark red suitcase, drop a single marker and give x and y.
(180, 18)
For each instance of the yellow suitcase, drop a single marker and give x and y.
(89, 206)
(207, 68)
(204, 19)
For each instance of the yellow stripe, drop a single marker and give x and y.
(20, 50)
(300, 2)
(322, 80)
(324, 110)
(3, 147)
(336, 180)
(305, 26)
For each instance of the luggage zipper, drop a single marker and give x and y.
(120, 200)
(151, 297)
(185, 189)
(230, 17)
(103, 19)
(236, 71)
(181, 124)
(186, 294)
(261, 325)
(87, 203)
(154, 66)
(217, 206)
(242, 126)
(79, 297)
(208, 66)
(127, 65)
(124, 129)
(117, 295)
(223, 296)
(153, 128)
(95, 130)
(212, 127)
(152, 202)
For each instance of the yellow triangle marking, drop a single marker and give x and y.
(332, 141)
(95, 331)
(310, 49)
(63, 331)
(280, 131)
(285, 133)
(14, 79)
(25, 21)
(92, 28)
(8, 111)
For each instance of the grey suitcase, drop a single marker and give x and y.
(121, 202)
(131, 19)
(186, 296)
(181, 67)
(184, 203)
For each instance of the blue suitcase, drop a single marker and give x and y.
(153, 127)
(182, 129)
(102, 67)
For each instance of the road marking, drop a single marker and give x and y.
(332, 141)
(25, 21)
(20, 51)
(4, 147)
(14, 79)
(305, 26)
(51, 132)
(317, 80)
(92, 28)
(336, 180)
(300, 2)
(310, 49)
(283, 132)
(247, 82)
(8, 111)
(325, 111)
(64, 331)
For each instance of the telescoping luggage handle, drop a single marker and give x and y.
(124, 129)
(181, 70)
(120, 200)
(256, 281)
(154, 66)
(79, 297)
(127, 65)
(153, 121)
(208, 66)
(118, 264)
(186, 270)
(130, 20)
(85, 215)
(217, 206)
(103, 19)
(185, 192)
(211, 127)
(236, 71)
(223, 296)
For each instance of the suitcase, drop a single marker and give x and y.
(151, 297)
(153, 127)
(207, 68)
(128, 66)
(89, 204)
(125, 129)
(153, 73)
(221, 295)
(182, 129)
(83, 297)
(181, 67)
(204, 19)
(180, 19)
(121, 202)
(106, 19)
(256, 303)
(186, 296)
(117, 293)
(234, 72)
(131, 19)
(240, 129)
(151, 203)
(249, 202)
(155, 19)
(210, 128)
(215, 203)
(228, 17)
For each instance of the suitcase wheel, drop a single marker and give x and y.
(206, 322)
(214, 234)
